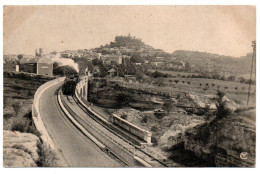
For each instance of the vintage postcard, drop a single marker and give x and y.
(129, 86)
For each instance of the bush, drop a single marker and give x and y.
(16, 107)
(222, 110)
(167, 106)
(24, 126)
(154, 141)
(47, 157)
(160, 114)
(124, 117)
(144, 119)
(154, 129)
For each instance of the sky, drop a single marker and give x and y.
(224, 30)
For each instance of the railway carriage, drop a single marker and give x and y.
(69, 85)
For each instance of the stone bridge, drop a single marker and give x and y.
(81, 92)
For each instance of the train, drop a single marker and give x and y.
(69, 84)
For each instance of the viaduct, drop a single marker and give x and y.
(52, 110)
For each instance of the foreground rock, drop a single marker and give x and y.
(229, 142)
(20, 149)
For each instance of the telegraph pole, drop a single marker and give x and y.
(252, 63)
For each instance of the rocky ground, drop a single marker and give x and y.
(230, 142)
(170, 133)
(20, 149)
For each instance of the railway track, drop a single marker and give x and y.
(110, 127)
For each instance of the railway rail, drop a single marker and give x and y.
(110, 127)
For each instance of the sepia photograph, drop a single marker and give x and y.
(140, 86)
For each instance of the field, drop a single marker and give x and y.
(211, 84)
(175, 73)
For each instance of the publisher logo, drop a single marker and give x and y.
(244, 155)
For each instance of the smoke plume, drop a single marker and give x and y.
(65, 61)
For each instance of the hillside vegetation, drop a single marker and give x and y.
(22, 146)
(215, 62)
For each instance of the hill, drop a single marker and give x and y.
(215, 62)
(130, 45)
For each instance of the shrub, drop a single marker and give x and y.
(8, 115)
(154, 141)
(144, 119)
(29, 93)
(17, 107)
(222, 110)
(124, 117)
(159, 82)
(24, 126)
(154, 129)
(167, 106)
(47, 157)
(5, 102)
(160, 114)
(176, 81)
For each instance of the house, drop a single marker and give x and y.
(11, 66)
(130, 78)
(37, 65)
(108, 59)
(156, 63)
(112, 72)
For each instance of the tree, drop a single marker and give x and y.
(19, 56)
(167, 106)
(212, 85)
(159, 81)
(124, 117)
(188, 83)
(231, 78)
(55, 65)
(242, 80)
(176, 81)
(222, 110)
(136, 58)
(144, 119)
(97, 62)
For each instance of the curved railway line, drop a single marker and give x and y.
(111, 128)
